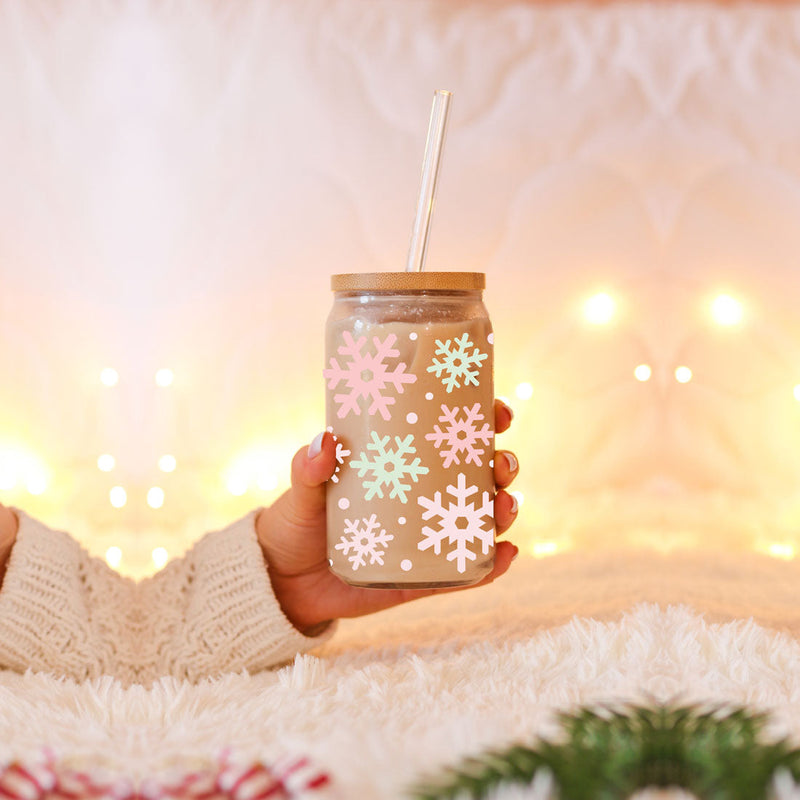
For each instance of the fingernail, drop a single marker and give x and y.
(516, 553)
(513, 464)
(508, 408)
(315, 448)
(514, 504)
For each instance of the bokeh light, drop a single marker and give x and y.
(599, 309)
(726, 310)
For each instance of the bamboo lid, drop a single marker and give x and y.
(408, 281)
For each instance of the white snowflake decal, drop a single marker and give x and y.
(362, 537)
(457, 362)
(461, 523)
(389, 467)
(341, 455)
(367, 375)
(460, 435)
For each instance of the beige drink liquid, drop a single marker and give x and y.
(410, 401)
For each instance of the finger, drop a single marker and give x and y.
(504, 554)
(502, 416)
(506, 468)
(312, 466)
(506, 508)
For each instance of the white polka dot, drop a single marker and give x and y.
(329, 429)
(344, 503)
(490, 338)
(412, 336)
(401, 520)
(429, 395)
(411, 418)
(406, 565)
(491, 462)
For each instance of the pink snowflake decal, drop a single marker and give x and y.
(461, 435)
(367, 375)
(364, 538)
(460, 522)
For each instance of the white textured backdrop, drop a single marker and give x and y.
(179, 179)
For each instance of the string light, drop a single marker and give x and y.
(113, 556)
(237, 485)
(781, 550)
(155, 497)
(683, 374)
(20, 466)
(8, 480)
(109, 377)
(643, 373)
(167, 463)
(106, 462)
(160, 557)
(164, 377)
(118, 497)
(267, 481)
(544, 549)
(524, 391)
(36, 483)
(599, 309)
(726, 310)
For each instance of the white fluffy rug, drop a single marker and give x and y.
(398, 695)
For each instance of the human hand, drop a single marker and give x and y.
(8, 535)
(292, 534)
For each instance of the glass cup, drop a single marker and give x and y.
(410, 400)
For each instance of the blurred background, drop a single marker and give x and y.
(180, 179)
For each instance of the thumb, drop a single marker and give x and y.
(292, 530)
(311, 468)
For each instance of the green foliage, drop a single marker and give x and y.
(610, 753)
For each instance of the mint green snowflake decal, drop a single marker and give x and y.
(457, 362)
(389, 467)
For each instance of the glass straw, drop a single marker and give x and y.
(430, 173)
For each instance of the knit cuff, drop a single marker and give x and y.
(44, 619)
(233, 620)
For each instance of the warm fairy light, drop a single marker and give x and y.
(118, 497)
(36, 482)
(726, 310)
(155, 497)
(524, 391)
(106, 462)
(109, 377)
(160, 557)
(113, 556)
(544, 549)
(167, 463)
(19, 466)
(164, 377)
(643, 373)
(599, 309)
(8, 480)
(267, 481)
(237, 485)
(683, 374)
(781, 550)
(259, 466)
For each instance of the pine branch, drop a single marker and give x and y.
(605, 753)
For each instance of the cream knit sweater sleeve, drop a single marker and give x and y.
(212, 611)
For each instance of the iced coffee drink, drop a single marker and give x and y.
(409, 399)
